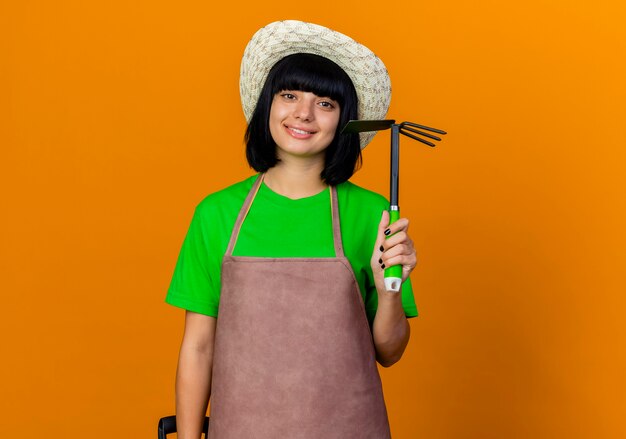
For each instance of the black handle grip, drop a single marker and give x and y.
(167, 426)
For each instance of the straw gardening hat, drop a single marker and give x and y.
(275, 41)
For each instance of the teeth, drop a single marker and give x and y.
(295, 130)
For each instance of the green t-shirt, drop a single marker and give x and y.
(277, 226)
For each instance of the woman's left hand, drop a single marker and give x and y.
(396, 250)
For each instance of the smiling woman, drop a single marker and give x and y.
(308, 79)
(301, 126)
(302, 123)
(282, 274)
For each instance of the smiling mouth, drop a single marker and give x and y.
(299, 131)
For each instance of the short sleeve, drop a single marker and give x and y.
(408, 301)
(195, 286)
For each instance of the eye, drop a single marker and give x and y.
(288, 96)
(327, 104)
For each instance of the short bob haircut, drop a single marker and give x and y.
(315, 74)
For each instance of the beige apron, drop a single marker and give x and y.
(294, 356)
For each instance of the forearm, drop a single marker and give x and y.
(390, 329)
(193, 388)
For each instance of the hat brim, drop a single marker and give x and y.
(275, 41)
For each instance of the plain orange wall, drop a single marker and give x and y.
(117, 118)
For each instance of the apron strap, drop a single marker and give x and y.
(243, 213)
(334, 205)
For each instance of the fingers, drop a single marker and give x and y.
(395, 240)
(390, 234)
(405, 248)
(402, 253)
(401, 225)
(399, 255)
(397, 248)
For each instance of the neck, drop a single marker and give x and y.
(295, 180)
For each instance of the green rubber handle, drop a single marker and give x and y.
(394, 270)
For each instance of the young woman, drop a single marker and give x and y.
(282, 274)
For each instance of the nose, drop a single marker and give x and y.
(303, 110)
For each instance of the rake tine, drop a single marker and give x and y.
(417, 138)
(424, 127)
(422, 133)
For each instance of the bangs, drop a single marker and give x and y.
(311, 73)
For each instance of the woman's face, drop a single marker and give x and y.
(302, 124)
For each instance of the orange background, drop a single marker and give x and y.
(117, 118)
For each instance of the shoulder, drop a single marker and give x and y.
(360, 209)
(354, 196)
(227, 199)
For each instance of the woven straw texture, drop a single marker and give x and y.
(279, 39)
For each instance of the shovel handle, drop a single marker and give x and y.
(393, 274)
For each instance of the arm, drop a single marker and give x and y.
(193, 378)
(391, 330)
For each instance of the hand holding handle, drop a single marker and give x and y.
(393, 274)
